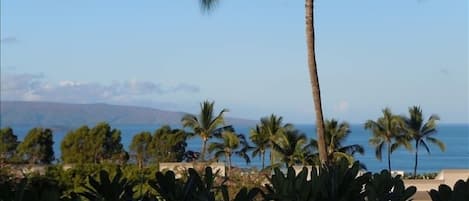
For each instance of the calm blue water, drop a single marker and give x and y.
(455, 136)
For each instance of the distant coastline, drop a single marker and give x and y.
(69, 115)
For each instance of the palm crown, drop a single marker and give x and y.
(266, 132)
(335, 134)
(205, 124)
(420, 131)
(388, 129)
(230, 144)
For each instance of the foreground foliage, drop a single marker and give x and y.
(114, 188)
(460, 192)
(384, 187)
(337, 182)
(127, 183)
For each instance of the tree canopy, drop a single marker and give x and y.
(140, 148)
(8, 144)
(168, 145)
(37, 147)
(95, 145)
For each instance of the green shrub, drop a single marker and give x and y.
(460, 192)
(334, 182)
(107, 188)
(384, 187)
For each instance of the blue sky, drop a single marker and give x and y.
(248, 56)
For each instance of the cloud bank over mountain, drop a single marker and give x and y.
(36, 87)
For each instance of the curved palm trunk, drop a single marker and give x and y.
(416, 158)
(389, 157)
(313, 73)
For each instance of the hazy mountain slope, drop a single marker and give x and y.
(72, 115)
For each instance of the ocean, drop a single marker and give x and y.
(455, 136)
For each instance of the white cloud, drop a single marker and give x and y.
(69, 83)
(34, 87)
(342, 106)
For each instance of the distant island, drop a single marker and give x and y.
(52, 114)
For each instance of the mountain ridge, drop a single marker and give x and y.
(58, 114)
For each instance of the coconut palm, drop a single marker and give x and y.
(261, 140)
(335, 135)
(290, 146)
(208, 5)
(388, 130)
(421, 131)
(231, 144)
(274, 128)
(204, 124)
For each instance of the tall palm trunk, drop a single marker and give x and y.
(389, 156)
(204, 148)
(271, 158)
(228, 158)
(416, 158)
(140, 162)
(263, 158)
(313, 73)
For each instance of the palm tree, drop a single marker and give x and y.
(261, 140)
(313, 73)
(420, 131)
(274, 128)
(290, 145)
(232, 144)
(388, 130)
(335, 135)
(204, 124)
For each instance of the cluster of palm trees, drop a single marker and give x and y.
(290, 146)
(286, 145)
(281, 141)
(394, 131)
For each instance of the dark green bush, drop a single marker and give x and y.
(384, 187)
(107, 188)
(460, 192)
(334, 182)
(337, 182)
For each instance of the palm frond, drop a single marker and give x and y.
(439, 143)
(424, 144)
(208, 5)
(352, 149)
(190, 121)
(375, 141)
(337, 156)
(215, 146)
(379, 151)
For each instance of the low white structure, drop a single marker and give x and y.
(180, 168)
(397, 172)
(446, 176)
